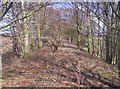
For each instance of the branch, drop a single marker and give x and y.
(97, 15)
(7, 9)
(115, 11)
(100, 28)
(21, 18)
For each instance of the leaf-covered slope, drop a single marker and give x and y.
(66, 67)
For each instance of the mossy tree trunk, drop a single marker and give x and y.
(78, 23)
(93, 36)
(26, 31)
(93, 44)
(88, 31)
(26, 40)
(40, 44)
(88, 40)
(119, 38)
(98, 48)
(0, 60)
(39, 29)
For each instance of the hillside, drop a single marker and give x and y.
(68, 67)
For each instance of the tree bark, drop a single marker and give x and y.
(78, 23)
(26, 31)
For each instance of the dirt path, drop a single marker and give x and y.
(65, 68)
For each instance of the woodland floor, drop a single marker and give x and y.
(68, 67)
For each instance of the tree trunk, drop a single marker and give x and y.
(107, 50)
(107, 44)
(0, 60)
(119, 38)
(78, 23)
(40, 44)
(26, 32)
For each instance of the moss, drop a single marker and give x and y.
(26, 55)
(40, 76)
(106, 73)
(85, 48)
(8, 73)
(44, 66)
(40, 46)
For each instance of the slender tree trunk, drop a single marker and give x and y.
(26, 32)
(88, 31)
(119, 38)
(107, 44)
(98, 38)
(15, 42)
(93, 46)
(39, 29)
(88, 42)
(98, 31)
(119, 49)
(101, 46)
(0, 60)
(107, 49)
(40, 44)
(111, 40)
(78, 23)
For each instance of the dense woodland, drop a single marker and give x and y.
(93, 27)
